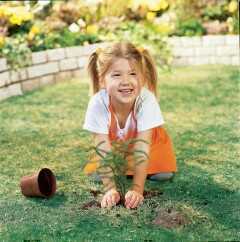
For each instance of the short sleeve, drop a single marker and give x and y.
(148, 113)
(97, 115)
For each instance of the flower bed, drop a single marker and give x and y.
(27, 26)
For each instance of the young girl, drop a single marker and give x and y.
(124, 81)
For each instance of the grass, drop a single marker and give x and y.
(43, 129)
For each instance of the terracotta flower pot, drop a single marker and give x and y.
(40, 184)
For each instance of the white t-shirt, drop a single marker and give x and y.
(146, 109)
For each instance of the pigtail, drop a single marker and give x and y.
(149, 71)
(93, 72)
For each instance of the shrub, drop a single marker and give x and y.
(16, 51)
(189, 27)
(141, 34)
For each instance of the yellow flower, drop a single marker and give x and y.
(35, 29)
(92, 29)
(18, 15)
(30, 36)
(2, 41)
(2, 11)
(16, 20)
(164, 28)
(150, 16)
(232, 7)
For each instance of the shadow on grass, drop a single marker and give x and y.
(196, 186)
(56, 201)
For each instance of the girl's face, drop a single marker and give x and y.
(122, 82)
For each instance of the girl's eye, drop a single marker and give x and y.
(133, 74)
(115, 75)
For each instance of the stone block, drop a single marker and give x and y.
(236, 60)
(15, 90)
(89, 49)
(183, 51)
(46, 80)
(174, 41)
(78, 51)
(227, 50)
(4, 93)
(14, 76)
(39, 57)
(81, 74)
(30, 85)
(226, 60)
(3, 64)
(182, 61)
(41, 70)
(203, 60)
(205, 51)
(213, 40)
(23, 74)
(68, 64)
(232, 40)
(212, 60)
(191, 41)
(56, 54)
(82, 62)
(63, 76)
(75, 51)
(4, 78)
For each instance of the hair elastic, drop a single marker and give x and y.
(140, 49)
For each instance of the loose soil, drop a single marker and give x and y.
(170, 218)
(96, 204)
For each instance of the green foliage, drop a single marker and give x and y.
(216, 12)
(63, 38)
(17, 52)
(141, 34)
(189, 27)
(114, 163)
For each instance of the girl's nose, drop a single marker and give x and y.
(125, 80)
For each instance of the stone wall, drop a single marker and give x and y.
(52, 66)
(215, 49)
(48, 67)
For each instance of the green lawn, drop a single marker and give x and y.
(43, 129)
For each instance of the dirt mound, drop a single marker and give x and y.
(91, 204)
(169, 218)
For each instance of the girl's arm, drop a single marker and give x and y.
(108, 184)
(111, 197)
(140, 171)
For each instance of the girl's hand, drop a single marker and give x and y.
(133, 199)
(110, 198)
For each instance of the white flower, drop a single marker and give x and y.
(74, 28)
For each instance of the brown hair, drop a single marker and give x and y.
(102, 59)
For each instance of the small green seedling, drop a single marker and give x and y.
(114, 165)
